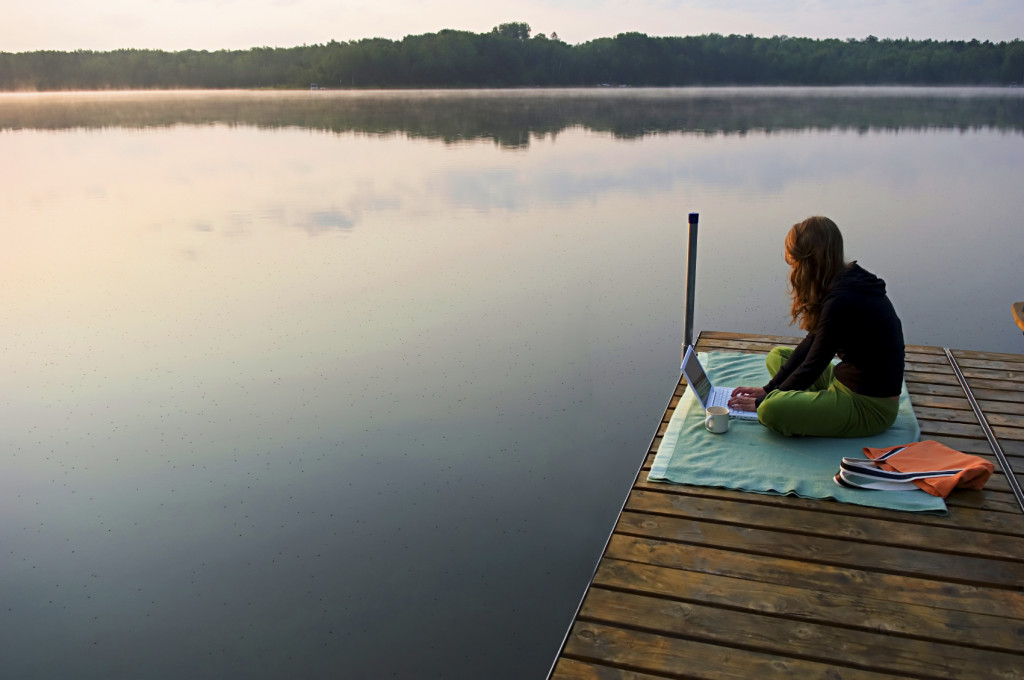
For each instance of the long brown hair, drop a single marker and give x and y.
(814, 250)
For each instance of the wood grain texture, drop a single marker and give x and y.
(698, 582)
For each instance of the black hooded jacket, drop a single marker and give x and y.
(858, 324)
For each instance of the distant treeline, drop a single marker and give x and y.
(509, 56)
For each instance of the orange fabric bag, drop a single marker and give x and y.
(951, 468)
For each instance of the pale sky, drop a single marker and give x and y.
(28, 25)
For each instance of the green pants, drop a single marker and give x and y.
(825, 409)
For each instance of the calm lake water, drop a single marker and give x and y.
(322, 384)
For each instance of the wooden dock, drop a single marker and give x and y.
(699, 582)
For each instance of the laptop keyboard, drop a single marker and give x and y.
(720, 397)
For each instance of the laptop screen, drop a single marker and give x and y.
(695, 376)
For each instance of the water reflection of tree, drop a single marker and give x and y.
(511, 118)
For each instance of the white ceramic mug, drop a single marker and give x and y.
(717, 419)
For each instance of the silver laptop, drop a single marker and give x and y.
(708, 394)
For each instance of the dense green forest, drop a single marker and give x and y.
(509, 56)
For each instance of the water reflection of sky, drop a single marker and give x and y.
(276, 399)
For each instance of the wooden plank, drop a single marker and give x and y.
(667, 655)
(874, 531)
(796, 573)
(1008, 388)
(1012, 377)
(933, 378)
(736, 346)
(813, 605)
(985, 500)
(991, 364)
(1004, 407)
(945, 415)
(708, 336)
(966, 355)
(956, 403)
(675, 614)
(896, 560)
(938, 360)
(1008, 433)
(922, 363)
(952, 389)
(928, 368)
(924, 349)
(981, 446)
(571, 669)
(1004, 425)
(930, 429)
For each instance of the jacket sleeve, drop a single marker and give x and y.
(795, 359)
(812, 355)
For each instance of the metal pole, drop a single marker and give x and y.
(993, 443)
(691, 280)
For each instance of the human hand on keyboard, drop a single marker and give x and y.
(745, 398)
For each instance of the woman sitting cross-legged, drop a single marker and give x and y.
(846, 313)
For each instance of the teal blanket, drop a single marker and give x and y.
(749, 457)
